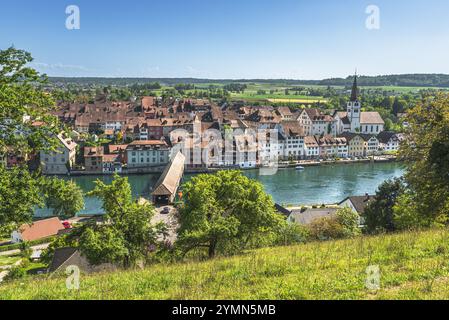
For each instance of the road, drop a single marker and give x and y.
(17, 251)
(169, 219)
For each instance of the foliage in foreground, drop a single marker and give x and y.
(224, 213)
(413, 265)
(124, 237)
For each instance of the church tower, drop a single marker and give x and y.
(354, 107)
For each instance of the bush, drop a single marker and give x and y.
(18, 272)
(291, 234)
(349, 220)
(326, 228)
(26, 250)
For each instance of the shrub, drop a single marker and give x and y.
(15, 273)
(349, 220)
(326, 228)
(291, 234)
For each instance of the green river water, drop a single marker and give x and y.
(315, 185)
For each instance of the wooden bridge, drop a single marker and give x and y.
(167, 185)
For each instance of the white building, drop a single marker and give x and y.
(371, 144)
(389, 141)
(332, 147)
(315, 122)
(293, 134)
(311, 148)
(60, 161)
(356, 121)
(147, 153)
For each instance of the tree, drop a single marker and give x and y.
(398, 106)
(64, 197)
(223, 212)
(378, 214)
(350, 221)
(22, 101)
(19, 196)
(426, 154)
(127, 232)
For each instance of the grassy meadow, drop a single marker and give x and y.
(413, 265)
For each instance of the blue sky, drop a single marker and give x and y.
(293, 39)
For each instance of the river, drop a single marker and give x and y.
(315, 185)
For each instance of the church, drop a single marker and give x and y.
(354, 120)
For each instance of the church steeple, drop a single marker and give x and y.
(355, 90)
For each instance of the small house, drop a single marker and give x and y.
(37, 230)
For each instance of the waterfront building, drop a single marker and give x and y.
(93, 159)
(311, 148)
(147, 153)
(60, 161)
(356, 144)
(390, 141)
(371, 145)
(332, 147)
(293, 137)
(111, 163)
(37, 230)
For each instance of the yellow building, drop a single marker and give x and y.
(356, 144)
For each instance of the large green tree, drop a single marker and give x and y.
(379, 214)
(127, 231)
(223, 212)
(23, 102)
(426, 152)
(64, 197)
(19, 195)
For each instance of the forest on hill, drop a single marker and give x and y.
(403, 80)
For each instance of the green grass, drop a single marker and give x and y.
(8, 260)
(413, 265)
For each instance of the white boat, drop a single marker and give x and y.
(299, 168)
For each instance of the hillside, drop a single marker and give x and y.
(402, 80)
(413, 266)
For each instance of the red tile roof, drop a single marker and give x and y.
(41, 229)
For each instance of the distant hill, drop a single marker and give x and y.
(403, 80)
(411, 267)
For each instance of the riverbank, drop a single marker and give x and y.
(281, 165)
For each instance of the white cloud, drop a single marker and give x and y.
(58, 66)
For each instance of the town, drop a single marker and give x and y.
(133, 137)
(224, 150)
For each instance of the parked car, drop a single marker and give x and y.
(166, 210)
(67, 225)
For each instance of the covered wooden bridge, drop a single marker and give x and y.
(167, 185)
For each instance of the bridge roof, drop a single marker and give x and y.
(169, 181)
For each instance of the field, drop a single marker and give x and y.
(265, 92)
(413, 265)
